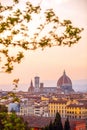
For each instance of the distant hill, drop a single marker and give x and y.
(80, 85)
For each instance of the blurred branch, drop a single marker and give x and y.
(29, 29)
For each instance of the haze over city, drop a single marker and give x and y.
(50, 63)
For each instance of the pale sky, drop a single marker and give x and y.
(50, 63)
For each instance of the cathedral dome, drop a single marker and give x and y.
(64, 80)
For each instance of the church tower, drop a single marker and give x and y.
(31, 88)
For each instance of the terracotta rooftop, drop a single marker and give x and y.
(58, 101)
(40, 122)
(36, 121)
(78, 105)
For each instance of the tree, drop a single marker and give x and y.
(3, 108)
(3, 111)
(12, 122)
(17, 35)
(56, 125)
(51, 126)
(67, 125)
(45, 128)
(57, 122)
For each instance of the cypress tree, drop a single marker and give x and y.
(56, 125)
(45, 128)
(67, 125)
(57, 122)
(51, 127)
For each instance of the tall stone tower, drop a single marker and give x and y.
(37, 82)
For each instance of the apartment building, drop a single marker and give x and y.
(76, 111)
(68, 108)
(57, 106)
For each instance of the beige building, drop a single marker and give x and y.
(37, 108)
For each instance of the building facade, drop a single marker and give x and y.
(72, 109)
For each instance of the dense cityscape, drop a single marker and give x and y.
(39, 105)
(38, 39)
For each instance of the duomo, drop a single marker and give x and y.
(63, 86)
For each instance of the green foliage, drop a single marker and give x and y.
(3, 108)
(58, 122)
(12, 122)
(17, 34)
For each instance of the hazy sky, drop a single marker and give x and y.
(50, 63)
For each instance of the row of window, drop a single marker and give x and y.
(57, 107)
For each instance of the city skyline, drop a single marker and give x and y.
(50, 63)
(77, 85)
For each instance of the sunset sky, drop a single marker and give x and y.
(50, 63)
